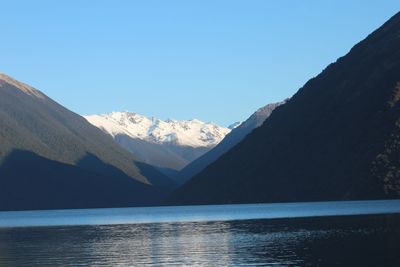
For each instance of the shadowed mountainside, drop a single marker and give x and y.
(32, 122)
(32, 182)
(337, 138)
(230, 140)
(169, 145)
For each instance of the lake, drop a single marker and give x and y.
(357, 233)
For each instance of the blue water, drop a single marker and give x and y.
(195, 213)
(293, 234)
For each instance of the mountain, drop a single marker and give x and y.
(239, 131)
(337, 138)
(169, 145)
(51, 158)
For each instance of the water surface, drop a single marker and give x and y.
(215, 237)
(196, 213)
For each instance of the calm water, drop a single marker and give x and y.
(237, 235)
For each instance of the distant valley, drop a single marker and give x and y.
(178, 149)
(168, 145)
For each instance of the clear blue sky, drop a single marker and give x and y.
(212, 60)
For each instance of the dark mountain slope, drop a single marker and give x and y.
(32, 122)
(337, 138)
(32, 182)
(230, 140)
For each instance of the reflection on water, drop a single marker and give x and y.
(352, 241)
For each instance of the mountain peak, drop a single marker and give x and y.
(5, 79)
(192, 133)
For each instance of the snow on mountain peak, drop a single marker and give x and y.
(194, 133)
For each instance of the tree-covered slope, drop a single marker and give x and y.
(230, 140)
(336, 138)
(33, 124)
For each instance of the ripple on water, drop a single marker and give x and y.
(296, 242)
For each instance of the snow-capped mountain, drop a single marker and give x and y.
(194, 133)
(167, 144)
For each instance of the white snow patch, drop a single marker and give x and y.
(194, 133)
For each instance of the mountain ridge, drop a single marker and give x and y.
(238, 133)
(192, 132)
(335, 139)
(31, 122)
(168, 145)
